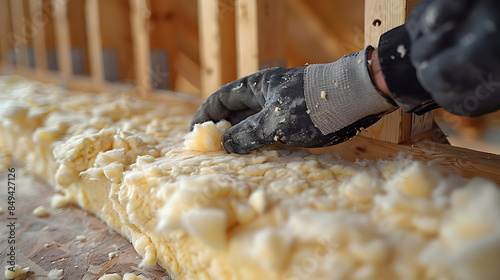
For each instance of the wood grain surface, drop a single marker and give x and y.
(50, 242)
(464, 162)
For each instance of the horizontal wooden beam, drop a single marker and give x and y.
(465, 162)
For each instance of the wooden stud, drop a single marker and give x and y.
(29, 30)
(210, 51)
(381, 16)
(38, 23)
(63, 41)
(4, 35)
(247, 37)
(138, 15)
(50, 36)
(217, 44)
(19, 33)
(94, 43)
(227, 21)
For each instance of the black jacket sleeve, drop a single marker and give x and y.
(400, 74)
(446, 55)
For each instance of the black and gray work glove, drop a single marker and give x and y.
(312, 106)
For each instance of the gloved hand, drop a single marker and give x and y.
(312, 106)
(455, 49)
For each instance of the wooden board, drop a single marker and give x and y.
(95, 44)
(49, 32)
(5, 32)
(464, 162)
(217, 44)
(210, 41)
(19, 35)
(140, 38)
(49, 243)
(37, 22)
(247, 41)
(61, 25)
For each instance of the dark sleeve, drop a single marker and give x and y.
(446, 55)
(400, 74)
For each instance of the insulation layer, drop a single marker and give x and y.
(272, 214)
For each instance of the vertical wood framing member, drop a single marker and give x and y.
(381, 16)
(227, 25)
(217, 44)
(63, 41)
(247, 37)
(138, 15)
(210, 51)
(94, 43)
(38, 22)
(261, 35)
(19, 33)
(50, 35)
(4, 35)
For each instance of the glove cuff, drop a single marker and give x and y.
(340, 93)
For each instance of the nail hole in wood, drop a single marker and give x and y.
(377, 22)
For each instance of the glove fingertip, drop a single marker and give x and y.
(242, 138)
(229, 145)
(234, 144)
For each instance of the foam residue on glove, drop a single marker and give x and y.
(206, 137)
